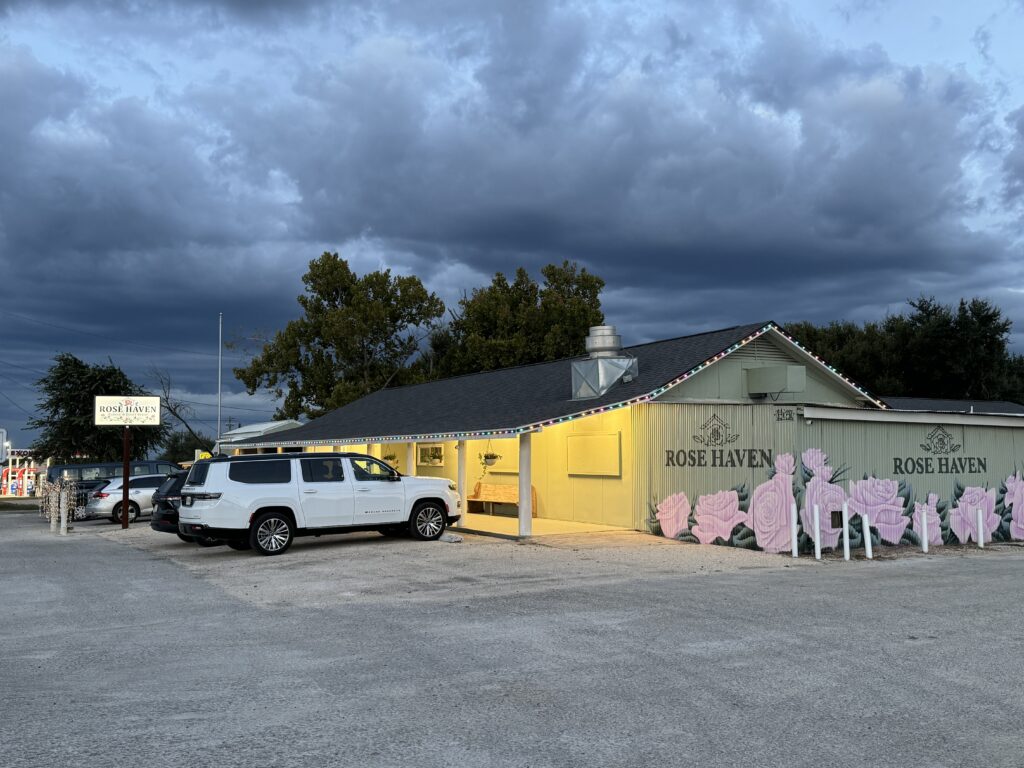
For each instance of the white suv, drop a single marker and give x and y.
(264, 501)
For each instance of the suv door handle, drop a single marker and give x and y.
(363, 490)
(309, 490)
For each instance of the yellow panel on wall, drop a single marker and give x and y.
(594, 455)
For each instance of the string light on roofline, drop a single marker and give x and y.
(647, 397)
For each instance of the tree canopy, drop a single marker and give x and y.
(181, 445)
(518, 321)
(934, 350)
(356, 335)
(67, 432)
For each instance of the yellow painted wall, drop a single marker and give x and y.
(561, 496)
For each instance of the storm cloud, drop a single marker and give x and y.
(716, 163)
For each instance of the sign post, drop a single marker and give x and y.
(126, 412)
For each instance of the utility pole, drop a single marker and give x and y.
(220, 366)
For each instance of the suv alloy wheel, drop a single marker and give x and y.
(427, 521)
(272, 533)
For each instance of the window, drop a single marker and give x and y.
(322, 471)
(371, 469)
(165, 469)
(170, 485)
(146, 482)
(197, 475)
(92, 473)
(261, 471)
(141, 469)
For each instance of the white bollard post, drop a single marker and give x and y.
(846, 531)
(867, 537)
(792, 530)
(924, 531)
(981, 530)
(51, 510)
(817, 533)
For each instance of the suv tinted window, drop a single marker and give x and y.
(322, 471)
(371, 469)
(276, 471)
(197, 475)
(145, 482)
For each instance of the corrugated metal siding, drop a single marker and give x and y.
(859, 447)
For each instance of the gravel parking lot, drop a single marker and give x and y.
(131, 648)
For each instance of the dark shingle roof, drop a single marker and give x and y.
(953, 406)
(502, 400)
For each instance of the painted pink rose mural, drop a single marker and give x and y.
(673, 515)
(1013, 507)
(963, 517)
(931, 510)
(770, 507)
(879, 502)
(821, 490)
(761, 519)
(717, 514)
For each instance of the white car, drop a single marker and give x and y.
(105, 501)
(263, 502)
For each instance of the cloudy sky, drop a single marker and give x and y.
(162, 161)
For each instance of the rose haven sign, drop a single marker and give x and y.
(118, 411)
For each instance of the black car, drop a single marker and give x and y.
(166, 501)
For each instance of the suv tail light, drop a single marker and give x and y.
(187, 499)
(100, 495)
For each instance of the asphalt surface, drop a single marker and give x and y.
(131, 649)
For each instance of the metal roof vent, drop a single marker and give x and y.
(606, 366)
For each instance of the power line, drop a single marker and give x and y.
(232, 407)
(19, 383)
(20, 408)
(15, 365)
(111, 338)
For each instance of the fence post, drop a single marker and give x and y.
(924, 531)
(792, 530)
(817, 533)
(981, 530)
(846, 530)
(867, 537)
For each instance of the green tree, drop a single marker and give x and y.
(355, 336)
(518, 321)
(934, 350)
(67, 432)
(181, 445)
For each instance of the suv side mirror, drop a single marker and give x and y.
(395, 478)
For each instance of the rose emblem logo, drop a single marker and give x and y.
(940, 443)
(716, 432)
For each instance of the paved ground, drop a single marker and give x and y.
(131, 649)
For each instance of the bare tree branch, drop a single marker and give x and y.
(179, 410)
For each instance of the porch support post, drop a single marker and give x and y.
(461, 482)
(525, 484)
(410, 458)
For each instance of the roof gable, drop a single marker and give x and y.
(510, 401)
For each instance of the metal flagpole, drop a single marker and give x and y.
(220, 366)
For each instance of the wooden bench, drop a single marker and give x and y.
(497, 494)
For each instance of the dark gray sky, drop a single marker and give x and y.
(715, 162)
